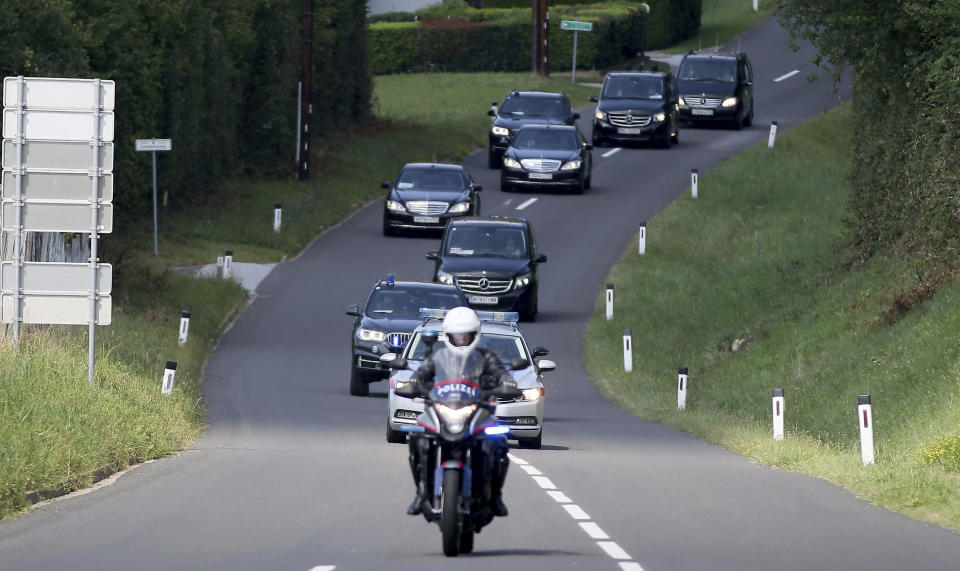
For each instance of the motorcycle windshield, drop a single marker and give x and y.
(455, 393)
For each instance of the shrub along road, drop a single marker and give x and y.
(294, 473)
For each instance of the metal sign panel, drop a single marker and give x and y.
(59, 93)
(56, 278)
(576, 25)
(154, 144)
(55, 125)
(57, 217)
(56, 309)
(58, 186)
(57, 155)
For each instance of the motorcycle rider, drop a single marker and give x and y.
(461, 354)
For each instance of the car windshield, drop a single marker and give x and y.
(430, 179)
(546, 107)
(722, 70)
(505, 347)
(406, 302)
(547, 139)
(480, 241)
(633, 88)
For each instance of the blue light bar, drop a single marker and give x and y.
(496, 430)
(501, 316)
(390, 280)
(432, 313)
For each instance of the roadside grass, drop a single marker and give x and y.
(722, 20)
(806, 319)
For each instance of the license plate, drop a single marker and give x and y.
(483, 299)
(541, 176)
(628, 131)
(701, 111)
(426, 219)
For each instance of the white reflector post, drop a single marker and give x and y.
(777, 414)
(682, 383)
(184, 326)
(865, 420)
(609, 302)
(642, 240)
(277, 214)
(227, 263)
(219, 266)
(773, 135)
(168, 373)
(694, 182)
(627, 351)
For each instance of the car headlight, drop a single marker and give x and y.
(511, 163)
(444, 278)
(502, 131)
(660, 117)
(459, 207)
(454, 419)
(532, 394)
(521, 281)
(570, 165)
(682, 102)
(394, 205)
(729, 102)
(371, 335)
(600, 115)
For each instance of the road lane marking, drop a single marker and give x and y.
(544, 483)
(593, 530)
(630, 566)
(526, 203)
(323, 568)
(560, 497)
(613, 550)
(575, 511)
(611, 152)
(530, 470)
(508, 202)
(787, 75)
(519, 461)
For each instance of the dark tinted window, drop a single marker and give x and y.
(550, 139)
(431, 179)
(519, 107)
(406, 302)
(504, 242)
(724, 70)
(633, 88)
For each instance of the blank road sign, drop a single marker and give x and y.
(57, 217)
(56, 277)
(57, 155)
(56, 186)
(154, 144)
(55, 125)
(59, 93)
(56, 309)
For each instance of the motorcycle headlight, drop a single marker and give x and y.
(502, 131)
(444, 278)
(682, 102)
(729, 102)
(571, 165)
(394, 205)
(532, 394)
(660, 117)
(511, 163)
(371, 335)
(454, 419)
(600, 115)
(521, 281)
(459, 207)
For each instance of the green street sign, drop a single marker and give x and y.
(576, 25)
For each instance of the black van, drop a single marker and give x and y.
(716, 88)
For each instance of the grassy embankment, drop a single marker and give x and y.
(722, 20)
(810, 322)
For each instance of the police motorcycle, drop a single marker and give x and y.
(457, 420)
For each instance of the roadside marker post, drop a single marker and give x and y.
(219, 267)
(277, 217)
(627, 351)
(682, 385)
(227, 264)
(694, 182)
(609, 302)
(773, 135)
(777, 405)
(865, 420)
(642, 240)
(184, 326)
(168, 374)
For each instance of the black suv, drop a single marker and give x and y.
(716, 88)
(637, 106)
(387, 321)
(427, 195)
(524, 108)
(493, 261)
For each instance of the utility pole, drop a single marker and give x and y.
(306, 107)
(540, 19)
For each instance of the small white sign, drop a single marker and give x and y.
(154, 144)
(56, 309)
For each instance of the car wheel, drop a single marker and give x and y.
(663, 141)
(597, 140)
(737, 122)
(589, 182)
(395, 436)
(387, 230)
(749, 119)
(493, 159)
(535, 443)
(358, 386)
(505, 186)
(530, 313)
(675, 136)
(579, 187)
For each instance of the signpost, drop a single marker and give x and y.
(57, 142)
(154, 145)
(577, 26)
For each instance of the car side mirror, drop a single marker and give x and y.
(492, 112)
(545, 365)
(539, 258)
(576, 116)
(477, 187)
(594, 98)
(384, 184)
(387, 357)
(397, 362)
(354, 310)
(589, 147)
(433, 255)
(519, 364)
(540, 351)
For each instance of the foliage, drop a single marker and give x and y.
(944, 451)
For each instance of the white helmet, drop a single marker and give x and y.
(462, 328)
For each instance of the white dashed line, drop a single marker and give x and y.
(560, 497)
(630, 566)
(516, 460)
(593, 530)
(530, 470)
(613, 550)
(324, 568)
(526, 203)
(787, 75)
(575, 511)
(611, 152)
(508, 202)
(544, 483)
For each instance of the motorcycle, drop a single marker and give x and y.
(454, 428)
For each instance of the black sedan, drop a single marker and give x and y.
(547, 155)
(427, 196)
(637, 106)
(387, 320)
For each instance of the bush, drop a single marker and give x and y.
(945, 451)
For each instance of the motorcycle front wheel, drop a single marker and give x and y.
(450, 517)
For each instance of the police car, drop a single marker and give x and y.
(500, 334)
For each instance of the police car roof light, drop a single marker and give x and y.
(390, 280)
(499, 316)
(432, 313)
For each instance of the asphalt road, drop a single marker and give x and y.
(294, 473)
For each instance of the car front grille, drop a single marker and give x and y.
(540, 165)
(365, 362)
(398, 338)
(427, 207)
(483, 286)
(629, 119)
(699, 101)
